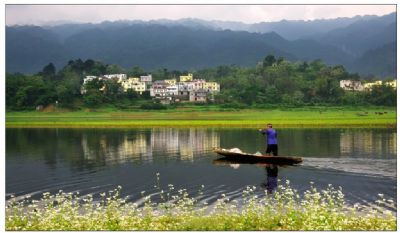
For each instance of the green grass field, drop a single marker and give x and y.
(204, 117)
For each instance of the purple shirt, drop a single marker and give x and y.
(271, 136)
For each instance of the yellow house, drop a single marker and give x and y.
(187, 78)
(212, 86)
(392, 84)
(134, 79)
(134, 84)
(170, 81)
(370, 85)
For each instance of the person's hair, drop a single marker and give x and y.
(269, 124)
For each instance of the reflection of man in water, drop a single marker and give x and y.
(272, 178)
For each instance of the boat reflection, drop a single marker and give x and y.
(271, 171)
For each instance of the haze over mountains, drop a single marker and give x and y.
(363, 44)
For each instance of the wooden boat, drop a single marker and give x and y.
(242, 157)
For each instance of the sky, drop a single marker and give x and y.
(44, 14)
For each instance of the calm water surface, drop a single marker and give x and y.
(361, 161)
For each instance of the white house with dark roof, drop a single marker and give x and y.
(351, 85)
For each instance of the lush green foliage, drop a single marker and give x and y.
(274, 82)
(286, 209)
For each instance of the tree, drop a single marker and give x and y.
(112, 88)
(93, 99)
(135, 71)
(48, 72)
(65, 95)
(272, 95)
(114, 69)
(353, 98)
(88, 64)
(269, 61)
(294, 100)
(328, 90)
(34, 91)
(131, 94)
(383, 95)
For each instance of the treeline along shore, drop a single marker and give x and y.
(289, 94)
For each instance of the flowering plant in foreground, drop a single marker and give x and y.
(284, 210)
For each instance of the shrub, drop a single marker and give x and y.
(153, 106)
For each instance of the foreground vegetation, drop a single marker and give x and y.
(283, 210)
(208, 116)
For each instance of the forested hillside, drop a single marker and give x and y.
(196, 44)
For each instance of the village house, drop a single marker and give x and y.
(184, 87)
(135, 84)
(187, 89)
(159, 89)
(170, 81)
(392, 83)
(198, 84)
(118, 77)
(187, 78)
(351, 85)
(147, 79)
(167, 91)
(172, 90)
(211, 86)
(88, 79)
(368, 86)
(198, 96)
(358, 86)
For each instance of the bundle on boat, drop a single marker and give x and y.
(236, 155)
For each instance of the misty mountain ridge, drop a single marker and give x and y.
(194, 43)
(302, 28)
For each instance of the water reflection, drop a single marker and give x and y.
(271, 171)
(90, 147)
(141, 146)
(272, 178)
(362, 161)
(367, 141)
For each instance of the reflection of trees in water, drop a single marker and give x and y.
(86, 148)
(367, 142)
(114, 147)
(337, 142)
(142, 145)
(184, 142)
(309, 142)
(51, 145)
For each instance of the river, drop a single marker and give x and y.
(361, 161)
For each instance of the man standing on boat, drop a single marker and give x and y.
(271, 139)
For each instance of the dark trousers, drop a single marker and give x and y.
(272, 148)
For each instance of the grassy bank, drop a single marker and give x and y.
(200, 117)
(284, 210)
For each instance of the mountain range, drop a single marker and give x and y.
(363, 44)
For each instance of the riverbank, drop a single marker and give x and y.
(189, 117)
(285, 210)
